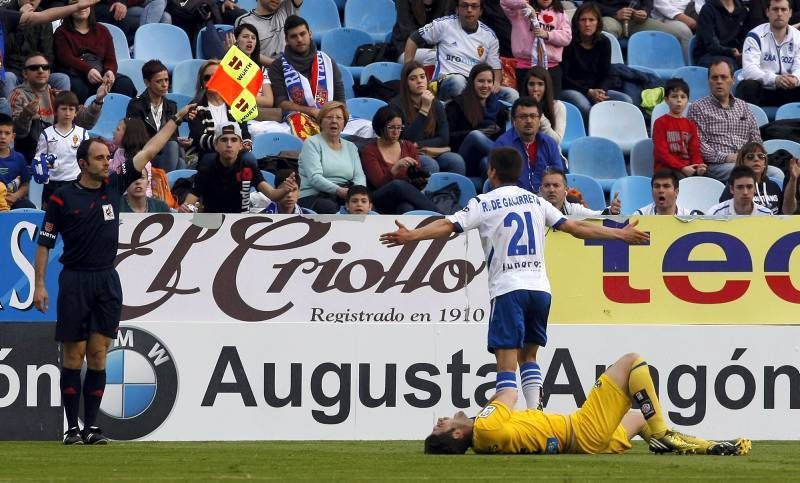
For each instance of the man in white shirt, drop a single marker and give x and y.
(512, 223)
(742, 185)
(770, 68)
(461, 41)
(664, 184)
(554, 190)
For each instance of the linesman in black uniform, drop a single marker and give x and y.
(86, 214)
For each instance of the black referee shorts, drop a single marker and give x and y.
(88, 302)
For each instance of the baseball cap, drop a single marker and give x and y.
(227, 128)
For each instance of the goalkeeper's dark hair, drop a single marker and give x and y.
(444, 443)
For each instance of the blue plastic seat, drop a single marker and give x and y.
(692, 44)
(590, 189)
(272, 143)
(221, 27)
(341, 45)
(655, 50)
(790, 110)
(422, 213)
(268, 177)
(634, 192)
(383, 71)
(184, 77)
(616, 49)
(177, 174)
(773, 145)
(759, 114)
(364, 107)
(180, 99)
(322, 17)
(642, 158)
(575, 128)
(697, 78)
(35, 193)
(114, 108)
(598, 158)
(618, 121)
(162, 41)
(27, 210)
(121, 49)
(247, 4)
(347, 80)
(376, 17)
(440, 180)
(699, 193)
(133, 69)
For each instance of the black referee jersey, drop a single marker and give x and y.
(88, 220)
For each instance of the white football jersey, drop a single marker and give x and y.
(457, 51)
(511, 223)
(726, 209)
(65, 148)
(651, 210)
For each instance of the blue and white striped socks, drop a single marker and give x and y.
(505, 380)
(531, 383)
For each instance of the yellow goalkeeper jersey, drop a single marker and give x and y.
(501, 430)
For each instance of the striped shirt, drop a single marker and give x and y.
(723, 130)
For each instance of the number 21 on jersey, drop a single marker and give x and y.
(523, 231)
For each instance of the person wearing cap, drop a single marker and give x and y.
(223, 181)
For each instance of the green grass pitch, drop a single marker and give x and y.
(373, 461)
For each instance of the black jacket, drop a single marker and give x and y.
(202, 127)
(139, 108)
(460, 126)
(718, 31)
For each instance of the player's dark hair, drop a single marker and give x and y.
(552, 170)
(292, 22)
(6, 120)
(358, 190)
(740, 172)
(525, 101)
(665, 174)
(507, 164)
(151, 68)
(283, 174)
(83, 149)
(444, 443)
(676, 84)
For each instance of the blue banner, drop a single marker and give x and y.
(18, 232)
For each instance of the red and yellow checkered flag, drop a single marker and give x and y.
(238, 80)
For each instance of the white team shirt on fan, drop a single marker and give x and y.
(511, 223)
(65, 148)
(651, 210)
(457, 51)
(726, 209)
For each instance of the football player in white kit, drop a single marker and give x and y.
(512, 223)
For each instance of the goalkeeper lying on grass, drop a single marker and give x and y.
(604, 424)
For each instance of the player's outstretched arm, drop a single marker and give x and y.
(438, 229)
(585, 230)
(157, 142)
(40, 296)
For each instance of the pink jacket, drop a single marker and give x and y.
(556, 23)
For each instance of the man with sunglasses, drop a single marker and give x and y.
(32, 105)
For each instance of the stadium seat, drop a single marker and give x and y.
(247, 4)
(272, 143)
(759, 114)
(697, 78)
(383, 71)
(642, 158)
(655, 50)
(121, 49)
(618, 121)
(575, 128)
(133, 69)
(177, 174)
(181, 100)
(364, 107)
(307, 211)
(341, 45)
(659, 110)
(268, 177)
(422, 213)
(616, 49)
(699, 193)
(221, 27)
(590, 189)
(347, 80)
(28, 210)
(162, 41)
(773, 145)
(487, 187)
(692, 43)
(599, 158)
(114, 108)
(377, 17)
(634, 192)
(322, 17)
(184, 77)
(35, 193)
(788, 111)
(441, 179)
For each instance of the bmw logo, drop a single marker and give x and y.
(141, 385)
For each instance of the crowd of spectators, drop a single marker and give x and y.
(479, 74)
